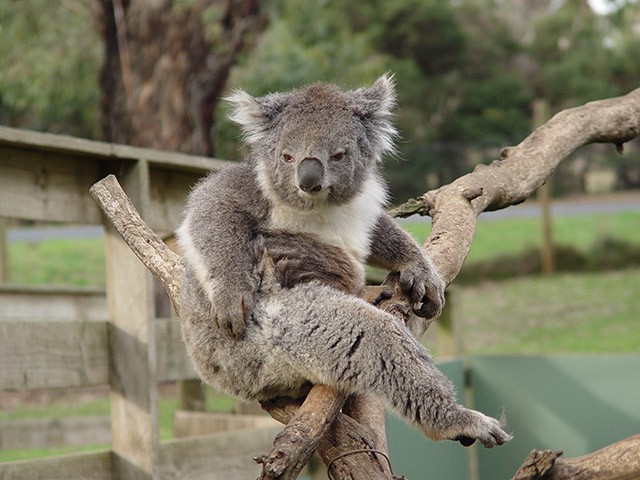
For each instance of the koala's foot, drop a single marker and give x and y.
(472, 426)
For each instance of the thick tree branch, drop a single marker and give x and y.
(519, 172)
(144, 242)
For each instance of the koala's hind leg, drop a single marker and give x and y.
(343, 342)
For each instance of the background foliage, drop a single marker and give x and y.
(467, 70)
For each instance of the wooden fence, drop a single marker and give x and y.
(63, 338)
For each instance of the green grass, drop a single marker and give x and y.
(30, 454)
(510, 236)
(97, 406)
(569, 313)
(80, 262)
(74, 262)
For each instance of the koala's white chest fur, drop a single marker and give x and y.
(348, 226)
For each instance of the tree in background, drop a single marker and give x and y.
(467, 70)
(165, 66)
(49, 58)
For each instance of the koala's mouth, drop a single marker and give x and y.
(314, 198)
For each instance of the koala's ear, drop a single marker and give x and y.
(255, 114)
(374, 106)
(377, 100)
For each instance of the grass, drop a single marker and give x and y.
(569, 313)
(95, 406)
(29, 454)
(75, 262)
(80, 262)
(510, 236)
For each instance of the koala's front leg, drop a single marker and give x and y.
(225, 273)
(232, 301)
(394, 249)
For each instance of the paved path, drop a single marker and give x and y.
(579, 206)
(612, 203)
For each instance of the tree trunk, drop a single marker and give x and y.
(165, 66)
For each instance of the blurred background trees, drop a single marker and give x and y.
(467, 70)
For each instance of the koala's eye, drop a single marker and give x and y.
(339, 155)
(287, 158)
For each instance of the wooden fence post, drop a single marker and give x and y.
(448, 342)
(132, 347)
(4, 274)
(547, 263)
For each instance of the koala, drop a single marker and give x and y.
(275, 249)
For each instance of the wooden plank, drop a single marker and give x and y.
(132, 350)
(55, 432)
(168, 192)
(172, 360)
(190, 423)
(52, 303)
(67, 354)
(52, 354)
(225, 456)
(3, 252)
(100, 150)
(79, 466)
(47, 186)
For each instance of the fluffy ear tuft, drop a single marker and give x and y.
(255, 114)
(374, 105)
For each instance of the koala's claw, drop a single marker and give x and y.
(232, 316)
(384, 294)
(424, 287)
(427, 309)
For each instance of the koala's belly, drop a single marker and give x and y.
(303, 258)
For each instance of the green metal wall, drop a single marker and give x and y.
(417, 458)
(574, 403)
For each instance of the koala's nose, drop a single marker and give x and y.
(310, 174)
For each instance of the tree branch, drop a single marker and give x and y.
(619, 461)
(519, 172)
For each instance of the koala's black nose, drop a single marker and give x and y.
(310, 174)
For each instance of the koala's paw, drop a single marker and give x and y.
(231, 310)
(425, 287)
(477, 426)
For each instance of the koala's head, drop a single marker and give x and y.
(318, 144)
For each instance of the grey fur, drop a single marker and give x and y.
(275, 249)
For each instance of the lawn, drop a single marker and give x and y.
(80, 262)
(96, 405)
(568, 313)
(499, 237)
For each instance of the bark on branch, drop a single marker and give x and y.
(619, 461)
(454, 209)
